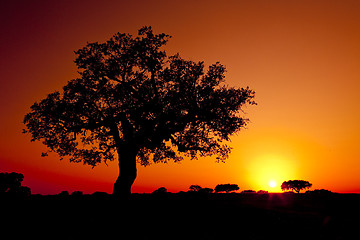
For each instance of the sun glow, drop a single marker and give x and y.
(272, 183)
(268, 171)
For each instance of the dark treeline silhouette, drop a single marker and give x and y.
(10, 186)
(199, 213)
(184, 215)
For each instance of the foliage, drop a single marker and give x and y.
(226, 188)
(295, 185)
(131, 93)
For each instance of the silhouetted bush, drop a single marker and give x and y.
(226, 188)
(194, 188)
(262, 192)
(77, 194)
(10, 181)
(160, 190)
(64, 194)
(10, 185)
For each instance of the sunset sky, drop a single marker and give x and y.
(301, 57)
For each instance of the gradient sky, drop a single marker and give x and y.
(301, 57)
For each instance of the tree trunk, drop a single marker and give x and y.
(127, 171)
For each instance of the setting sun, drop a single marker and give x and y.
(272, 184)
(268, 170)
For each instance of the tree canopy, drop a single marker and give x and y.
(295, 185)
(226, 188)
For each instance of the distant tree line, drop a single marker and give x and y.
(198, 189)
(10, 185)
(291, 185)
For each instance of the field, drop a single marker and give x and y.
(183, 216)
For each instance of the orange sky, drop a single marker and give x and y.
(301, 57)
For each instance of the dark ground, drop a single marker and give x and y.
(183, 216)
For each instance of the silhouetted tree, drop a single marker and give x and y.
(160, 190)
(10, 184)
(295, 185)
(226, 188)
(133, 102)
(64, 194)
(199, 189)
(194, 188)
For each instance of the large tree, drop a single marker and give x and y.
(134, 103)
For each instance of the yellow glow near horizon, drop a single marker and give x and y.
(270, 170)
(272, 183)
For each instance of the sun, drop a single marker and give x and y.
(269, 169)
(272, 183)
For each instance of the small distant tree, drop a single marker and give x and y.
(199, 189)
(295, 185)
(160, 190)
(10, 184)
(194, 188)
(226, 188)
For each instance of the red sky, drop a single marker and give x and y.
(301, 57)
